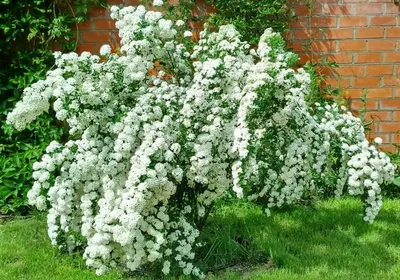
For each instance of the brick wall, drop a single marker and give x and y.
(362, 36)
(100, 29)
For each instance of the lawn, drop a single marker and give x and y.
(326, 241)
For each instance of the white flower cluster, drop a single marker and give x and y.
(274, 130)
(286, 150)
(150, 154)
(362, 166)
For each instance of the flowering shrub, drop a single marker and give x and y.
(286, 149)
(149, 155)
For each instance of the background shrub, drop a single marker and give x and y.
(29, 31)
(251, 17)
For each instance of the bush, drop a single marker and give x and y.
(251, 17)
(392, 189)
(29, 31)
(159, 132)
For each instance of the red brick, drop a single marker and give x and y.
(370, 104)
(380, 1)
(350, 70)
(132, 2)
(392, 57)
(369, 33)
(342, 33)
(366, 82)
(296, 46)
(372, 128)
(388, 148)
(287, 35)
(104, 24)
(57, 48)
(354, 92)
(352, 21)
(85, 25)
(208, 9)
(395, 138)
(195, 36)
(197, 11)
(323, 22)
(378, 116)
(393, 104)
(391, 81)
(368, 57)
(85, 48)
(341, 82)
(330, 9)
(304, 57)
(351, 45)
(316, 8)
(173, 2)
(382, 45)
(325, 71)
(115, 39)
(383, 21)
(97, 12)
(385, 137)
(379, 93)
(368, 9)
(340, 57)
(392, 8)
(96, 37)
(304, 34)
(389, 127)
(322, 46)
(396, 116)
(328, 1)
(196, 25)
(393, 32)
(301, 22)
(304, 10)
(354, 1)
(379, 69)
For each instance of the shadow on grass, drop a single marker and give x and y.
(330, 239)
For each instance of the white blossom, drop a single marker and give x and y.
(179, 23)
(187, 34)
(142, 142)
(158, 3)
(105, 50)
(378, 140)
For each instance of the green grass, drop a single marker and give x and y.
(327, 241)
(26, 254)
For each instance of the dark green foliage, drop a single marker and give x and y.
(29, 31)
(182, 10)
(252, 17)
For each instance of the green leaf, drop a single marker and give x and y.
(396, 181)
